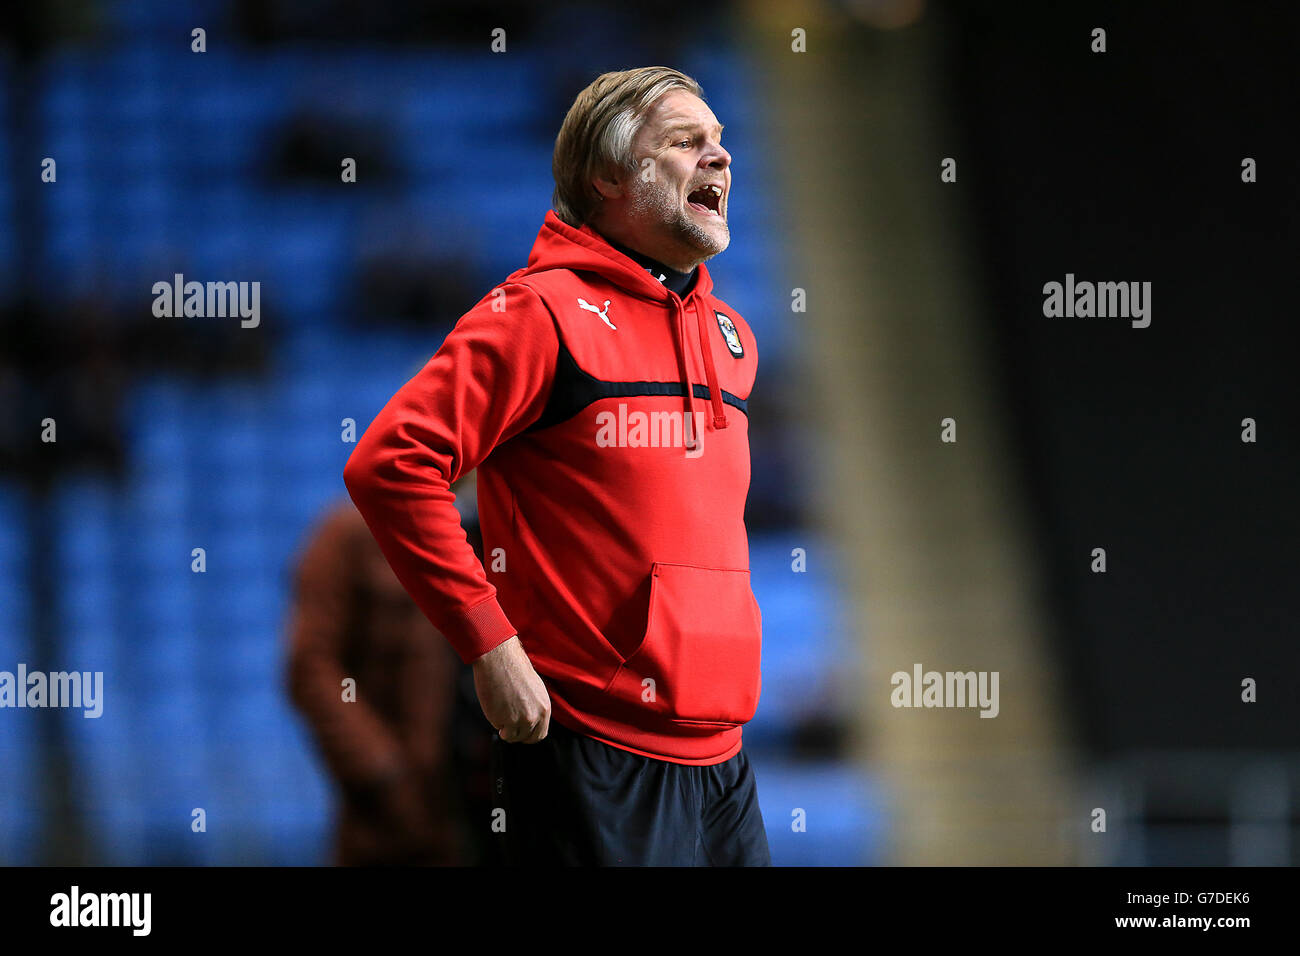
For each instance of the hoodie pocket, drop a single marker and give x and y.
(702, 646)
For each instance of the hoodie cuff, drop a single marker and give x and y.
(479, 630)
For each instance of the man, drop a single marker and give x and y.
(601, 391)
(394, 745)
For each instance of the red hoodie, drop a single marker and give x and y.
(614, 546)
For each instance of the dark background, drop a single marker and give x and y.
(1126, 166)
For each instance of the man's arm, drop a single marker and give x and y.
(488, 382)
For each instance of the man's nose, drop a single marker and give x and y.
(716, 157)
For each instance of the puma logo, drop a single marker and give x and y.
(584, 304)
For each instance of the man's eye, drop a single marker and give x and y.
(685, 142)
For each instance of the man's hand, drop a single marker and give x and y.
(512, 696)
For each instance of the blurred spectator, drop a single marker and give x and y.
(68, 369)
(308, 147)
(454, 22)
(410, 752)
(411, 284)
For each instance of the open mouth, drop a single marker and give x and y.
(707, 200)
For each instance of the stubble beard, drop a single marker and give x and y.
(659, 205)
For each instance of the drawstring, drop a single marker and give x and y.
(710, 372)
(688, 432)
(715, 393)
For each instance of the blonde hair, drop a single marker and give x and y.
(597, 133)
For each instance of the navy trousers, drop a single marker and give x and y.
(574, 801)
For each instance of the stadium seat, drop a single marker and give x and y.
(820, 814)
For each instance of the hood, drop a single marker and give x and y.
(561, 246)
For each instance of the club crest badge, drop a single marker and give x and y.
(730, 335)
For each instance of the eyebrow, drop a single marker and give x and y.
(686, 125)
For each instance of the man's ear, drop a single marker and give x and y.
(607, 188)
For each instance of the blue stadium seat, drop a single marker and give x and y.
(844, 816)
(236, 552)
(20, 818)
(165, 609)
(160, 446)
(13, 529)
(93, 642)
(804, 643)
(91, 595)
(157, 501)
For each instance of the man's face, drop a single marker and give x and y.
(666, 211)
